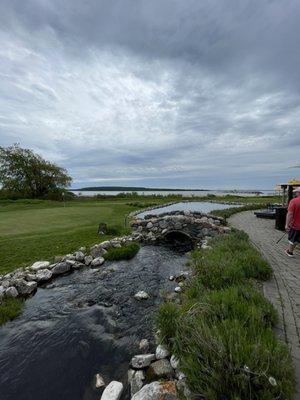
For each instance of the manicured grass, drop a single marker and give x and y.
(10, 308)
(125, 252)
(222, 332)
(34, 230)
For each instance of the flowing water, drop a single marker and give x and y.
(81, 324)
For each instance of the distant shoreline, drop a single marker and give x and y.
(145, 189)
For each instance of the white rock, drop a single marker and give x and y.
(113, 391)
(88, 260)
(180, 375)
(11, 292)
(99, 381)
(174, 362)
(79, 256)
(71, 262)
(142, 360)
(43, 275)
(61, 268)
(141, 295)
(161, 352)
(157, 391)
(2, 292)
(177, 289)
(136, 382)
(97, 262)
(172, 277)
(40, 265)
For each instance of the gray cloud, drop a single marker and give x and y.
(163, 92)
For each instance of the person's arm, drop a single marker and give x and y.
(289, 216)
(288, 221)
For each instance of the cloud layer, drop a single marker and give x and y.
(161, 93)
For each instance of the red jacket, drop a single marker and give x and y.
(294, 207)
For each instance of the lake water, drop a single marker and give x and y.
(201, 206)
(187, 193)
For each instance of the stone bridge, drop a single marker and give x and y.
(178, 226)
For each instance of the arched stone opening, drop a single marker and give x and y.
(178, 240)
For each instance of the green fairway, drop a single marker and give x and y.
(32, 230)
(41, 230)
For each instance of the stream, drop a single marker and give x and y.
(81, 324)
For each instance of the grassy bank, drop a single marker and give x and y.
(230, 211)
(9, 309)
(222, 332)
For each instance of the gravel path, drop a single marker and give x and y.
(283, 290)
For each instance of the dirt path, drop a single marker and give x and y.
(283, 290)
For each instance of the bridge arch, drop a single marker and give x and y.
(178, 239)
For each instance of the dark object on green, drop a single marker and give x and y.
(102, 228)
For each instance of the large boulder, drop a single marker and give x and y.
(142, 360)
(113, 391)
(25, 288)
(88, 260)
(97, 262)
(11, 292)
(40, 265)
(157, 391)
(43, 275)
(79, 256)
(61, 268)
(160, 369)
(136, 380)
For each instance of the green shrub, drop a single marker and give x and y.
(222, 331)
(10, 308)
(231, 261)
(225, 358)
(228, 212)
(125, 252)
(113, 230)
(167, 319)
(243, 303)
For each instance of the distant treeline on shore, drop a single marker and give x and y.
(147, 189)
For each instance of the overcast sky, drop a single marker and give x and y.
(165, 93)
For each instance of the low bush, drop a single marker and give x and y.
(125, 252)
(222, 332)
(226, 213)
(10, 308)
(226, 360)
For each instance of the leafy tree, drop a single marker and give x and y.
(26, 174)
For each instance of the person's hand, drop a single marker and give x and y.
(287, 228)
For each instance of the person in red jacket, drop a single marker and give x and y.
(292, 225)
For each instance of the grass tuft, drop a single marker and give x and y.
(10, 308)
(122, 253)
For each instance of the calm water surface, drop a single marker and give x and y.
(202, 206)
